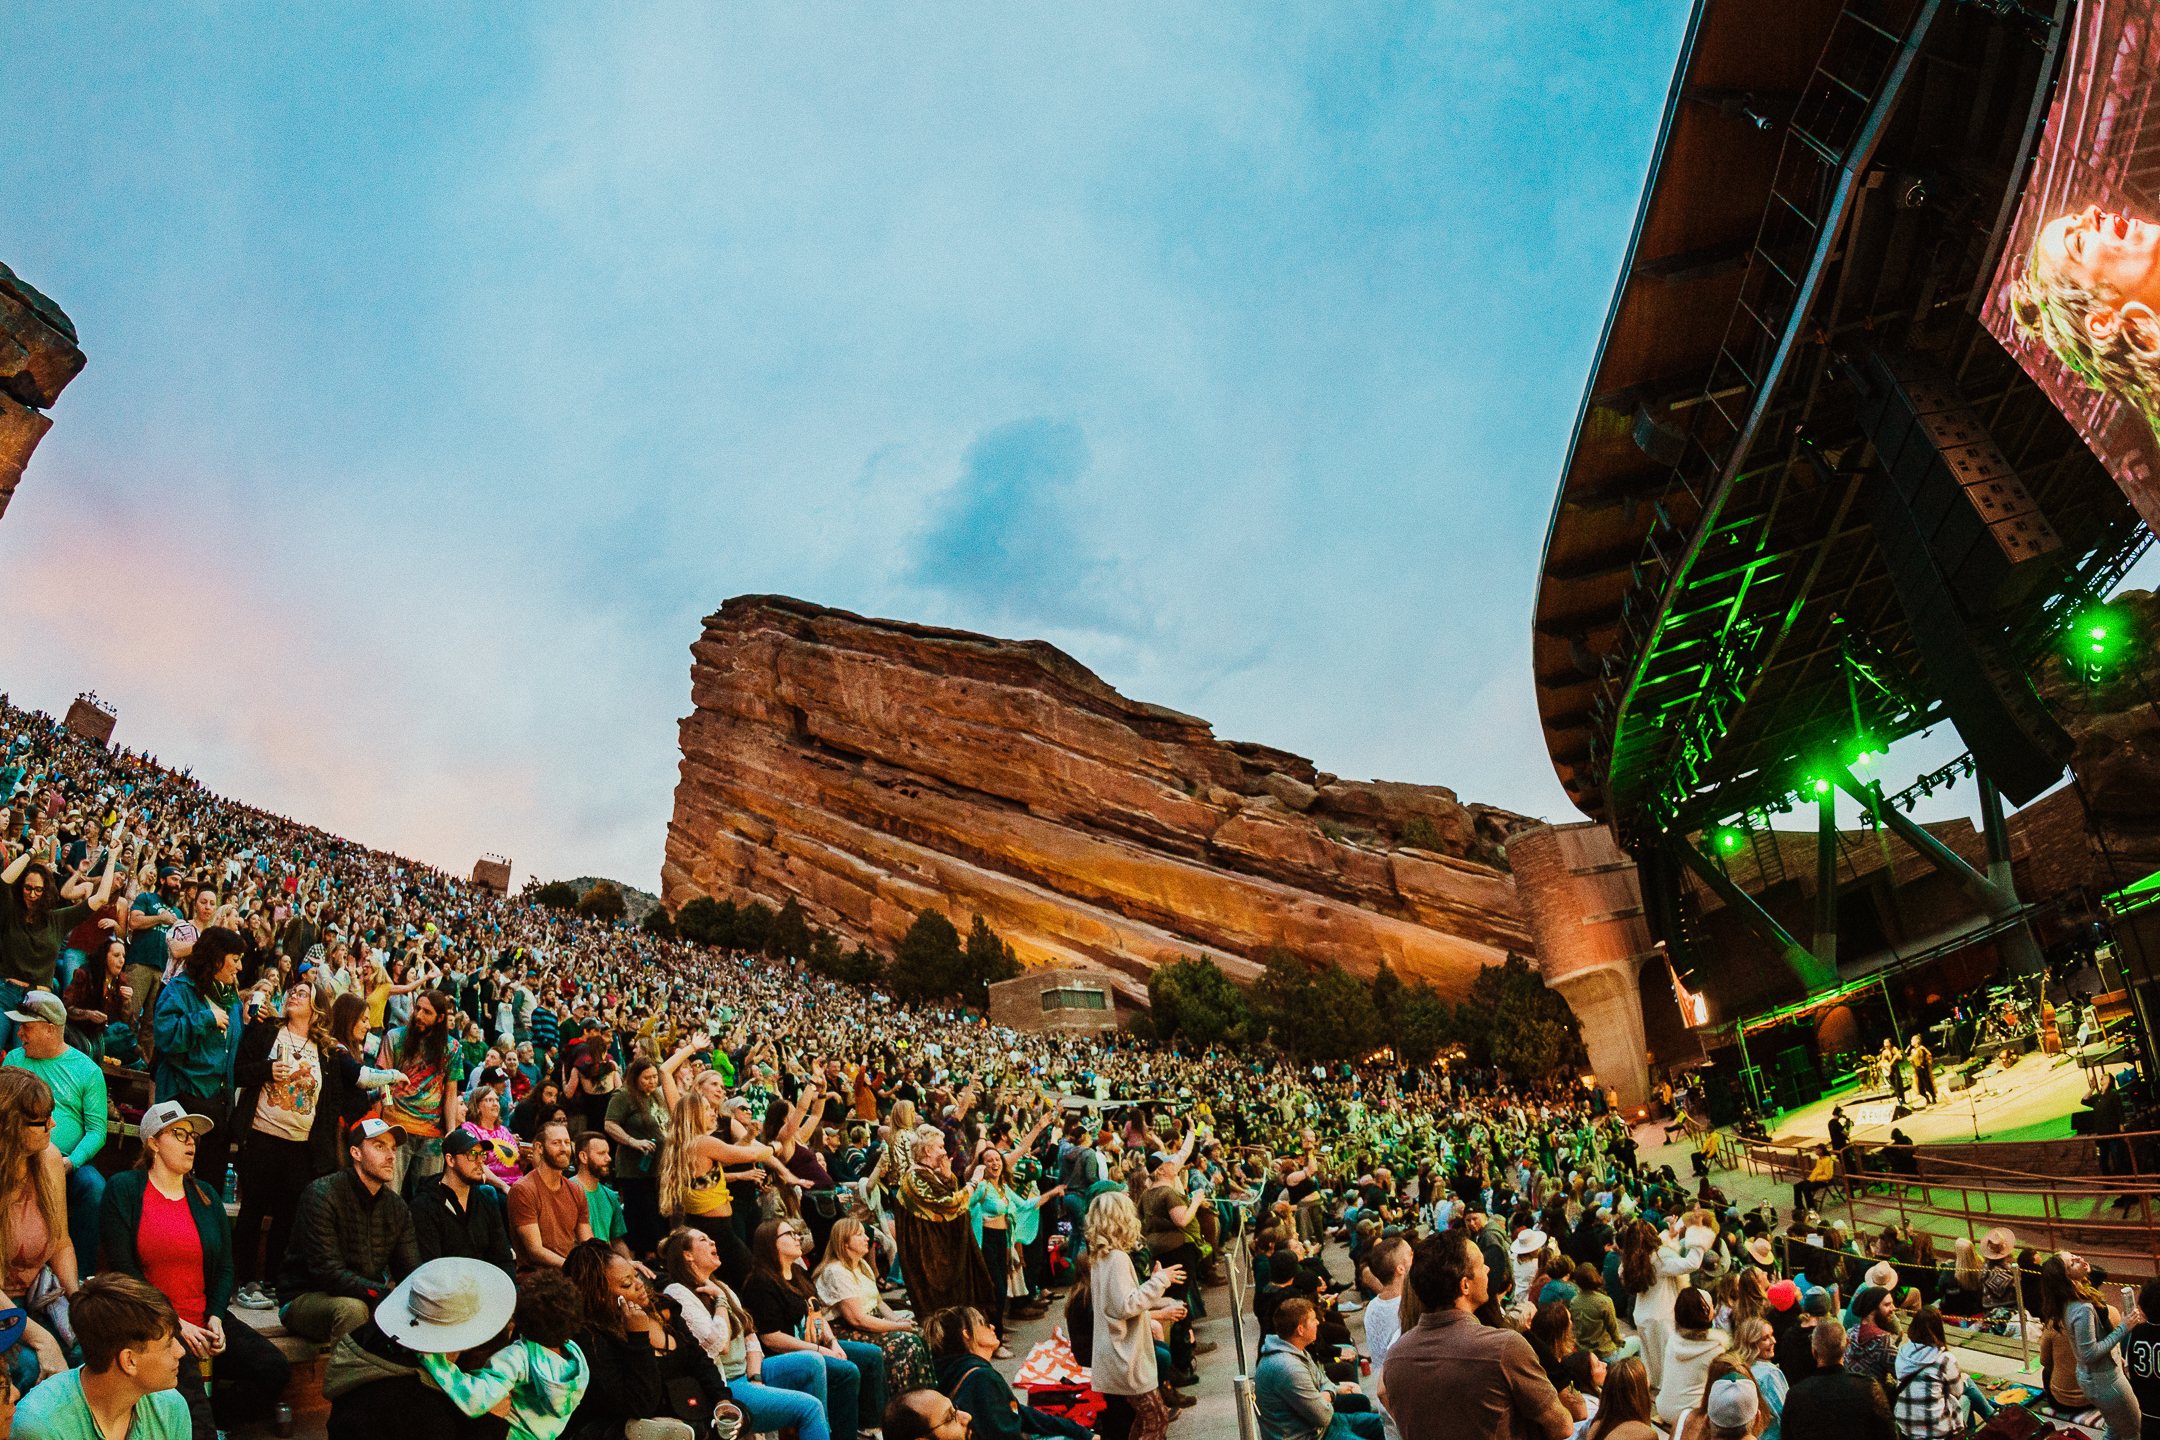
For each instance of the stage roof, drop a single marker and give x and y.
(1825, 181)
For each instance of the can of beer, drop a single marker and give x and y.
(282, 1421)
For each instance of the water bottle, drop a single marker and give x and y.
(232, 1187)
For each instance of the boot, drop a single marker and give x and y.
(1178, 1399)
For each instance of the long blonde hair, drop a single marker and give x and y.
(24, 1097)
(846, 1228)
(689, 1120)
(1113, 1224)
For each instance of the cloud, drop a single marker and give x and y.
(1007, 543)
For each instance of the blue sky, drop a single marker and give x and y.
(447, 364)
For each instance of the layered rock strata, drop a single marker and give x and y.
(872, 768)
(38, 356)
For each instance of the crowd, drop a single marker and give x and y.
(525, 1172)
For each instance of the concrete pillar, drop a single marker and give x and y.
(1585, 907)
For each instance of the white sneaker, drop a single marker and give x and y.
(254, 1297)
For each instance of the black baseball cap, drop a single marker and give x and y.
(459, 1142)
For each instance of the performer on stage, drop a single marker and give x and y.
(1923, 1064)
(1893, 1064)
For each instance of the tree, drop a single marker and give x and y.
(1424, 1025)
(656, 923)
(753, 928)
(929, 963)
(1193, 1000)
(603, 902)
(862, 966)
(556, 895)
(1341, 1023)
(707, 921)
(989, 960)
(789, 938)
(824, 957)
(1512, 1020)
(1282, 994)
(1387, 1002)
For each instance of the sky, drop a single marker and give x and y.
(448, 363)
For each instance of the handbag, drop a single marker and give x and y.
(688, 1402)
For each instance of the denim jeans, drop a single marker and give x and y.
(2110, 1391)
(11, 994)
(869, 1363)
(767, 1409)
(835, 1384)
(85, 1188)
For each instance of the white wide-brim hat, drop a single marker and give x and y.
(449, 1304)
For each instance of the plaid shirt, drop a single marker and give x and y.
(1929, 1408)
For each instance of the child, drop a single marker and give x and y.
(540, 1371)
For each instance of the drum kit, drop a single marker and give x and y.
(2005, 1016)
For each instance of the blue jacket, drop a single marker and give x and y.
(193, 1055)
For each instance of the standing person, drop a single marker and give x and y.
(79, 1101)
(1166, 1211)
(2142, 1353)
(1653, 1270)
(424, 1106)
(2068, 1301)
(548, 1213)
(1390, 1265)
(197, 1026)
(1123, 1353)
(693, 1182)
(151, 920)
(1893, 1064)
(128, 1385)
(352, 1240)
(34, 926)
(1923, 1068)
(292, 1099)
(162, 1226)
(457, 1214)
(938, 1254)
(1452, 1378)
(637, 1123)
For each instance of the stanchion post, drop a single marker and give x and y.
(1248, 1407)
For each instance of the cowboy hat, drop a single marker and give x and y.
(1998, 1243)
(1530, 1242)
(1758, 1250)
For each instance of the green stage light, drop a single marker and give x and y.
(1727, 839)
(2097, 639)
(1819, 787)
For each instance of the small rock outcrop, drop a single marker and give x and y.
(870, 768)
(38, 356)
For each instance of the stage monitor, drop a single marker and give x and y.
(2076, 294)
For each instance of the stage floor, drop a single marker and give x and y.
(2033, 1100)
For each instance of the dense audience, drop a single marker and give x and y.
(520, 1169)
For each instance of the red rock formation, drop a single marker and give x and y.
(870, 768)
(37, 358)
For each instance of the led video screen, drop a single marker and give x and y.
(2076, 294)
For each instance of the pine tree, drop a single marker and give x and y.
(929, 963)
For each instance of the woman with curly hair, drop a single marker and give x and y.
(1122, 1364)
(33, 1220)
(2088, 293)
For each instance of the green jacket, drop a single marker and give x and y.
(120, 1217)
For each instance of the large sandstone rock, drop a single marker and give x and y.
(870, 768)
(38, 357)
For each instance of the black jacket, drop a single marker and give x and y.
(1833, 1402)
(251, 1071)
(348, 1242)
(629, 1381)
(478, 1230)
